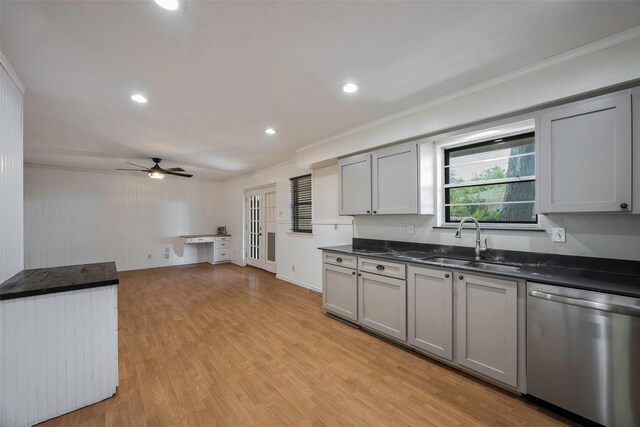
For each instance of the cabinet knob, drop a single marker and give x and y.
(338, 259)
(460, 277)
(375, 212)
(446, 275)
(368, 211)
(359, 274)
(353, 272)
(380, 267)
(624, 206)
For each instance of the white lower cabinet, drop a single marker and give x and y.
(340, 291)
(430, 311)
(382, 304)
(487, 326)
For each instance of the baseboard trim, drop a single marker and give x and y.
(240, 264)
(299, 283)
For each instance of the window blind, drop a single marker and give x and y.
(300, 196)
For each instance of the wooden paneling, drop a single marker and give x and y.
(232, 346)
(59, 353)
(78, 217)
(11, 181)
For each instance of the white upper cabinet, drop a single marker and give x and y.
(395, 180)
(355, 185)
(585, 156)
(383, 182)
(635, 98)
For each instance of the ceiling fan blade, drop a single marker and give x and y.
(186, 175)
(139, 170)
(175, 169)
(133, 164)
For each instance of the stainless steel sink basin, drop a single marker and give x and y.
(488, 266)
(447, 261)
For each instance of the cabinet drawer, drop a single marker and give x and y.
(384, 268)
(342, 260)
(222, 244)
(222, 239)
(199, 240)
(222, 256)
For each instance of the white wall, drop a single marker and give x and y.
(598, 235)
(11, 181)
(298, 259)
(607, 62)
(74, 217)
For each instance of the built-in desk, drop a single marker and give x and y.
(222, 249)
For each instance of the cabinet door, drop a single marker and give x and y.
(395, 180)
(430, 311)
(585, 157)
(340, 291)
(382, 304)
(355, 185)
(487, 327)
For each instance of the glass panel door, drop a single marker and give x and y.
(255, 230)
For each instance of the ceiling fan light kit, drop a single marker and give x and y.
(156, 172)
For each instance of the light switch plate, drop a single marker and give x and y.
(411, 229)
(558, 235)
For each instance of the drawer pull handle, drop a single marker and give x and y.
(380, 267)
(353, 272)
(446, 275)
(339, 259)
(460, 277)
(623, 206)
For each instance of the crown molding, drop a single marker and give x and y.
(4, 61)
(598, 45)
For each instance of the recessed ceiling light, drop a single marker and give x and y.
(168, 4)
(139, 98)
(270, 131)
(350, 87)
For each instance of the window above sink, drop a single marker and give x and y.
(489, 174)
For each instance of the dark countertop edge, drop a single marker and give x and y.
(68, 288)
(571, 282)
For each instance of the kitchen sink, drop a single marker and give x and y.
(447, 261)
(488, 266)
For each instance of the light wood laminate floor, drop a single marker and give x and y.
(231, 346)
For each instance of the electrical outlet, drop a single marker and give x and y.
(411, 229)
(558, 235)
(403, 228)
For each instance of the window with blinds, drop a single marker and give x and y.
(300, 196)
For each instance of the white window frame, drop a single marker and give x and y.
(473, 137)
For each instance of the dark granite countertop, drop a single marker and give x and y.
(620, 277)
(42, 281)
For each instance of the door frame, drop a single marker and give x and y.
(261, 262)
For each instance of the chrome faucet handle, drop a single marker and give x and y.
(483, 250)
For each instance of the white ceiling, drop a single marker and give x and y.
(218, 73)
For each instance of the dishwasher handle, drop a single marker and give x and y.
(602, 306)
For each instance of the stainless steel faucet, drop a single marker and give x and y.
(479, 249)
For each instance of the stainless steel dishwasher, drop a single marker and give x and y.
(583, 352)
